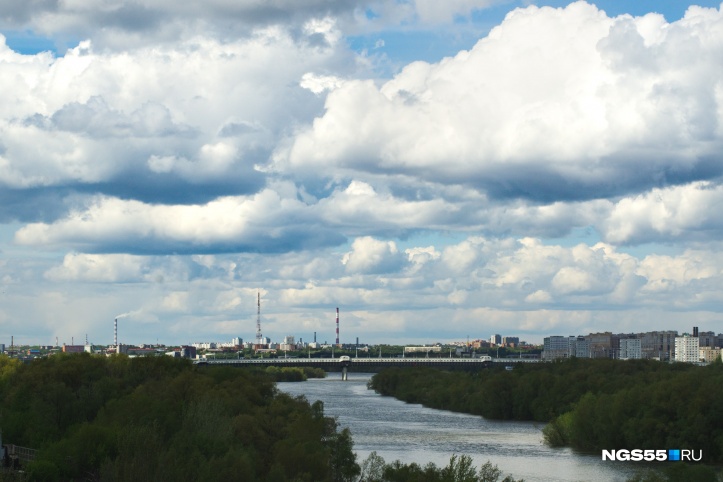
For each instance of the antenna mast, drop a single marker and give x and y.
(259, 336)
(337, 326)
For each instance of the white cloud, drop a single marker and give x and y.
(102, 116)
(261, 222)
(553, 104)
(114, 268)
(369, 255)
(680, 212)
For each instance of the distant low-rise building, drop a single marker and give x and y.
(480, 344)
(73, 348)
(136, 351)
(289, 344)
(422, 349)
(708, 354)
(187, 351)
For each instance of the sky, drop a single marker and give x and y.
(437, 170)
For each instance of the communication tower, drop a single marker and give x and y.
(259, 336)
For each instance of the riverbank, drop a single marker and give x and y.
(590, 405)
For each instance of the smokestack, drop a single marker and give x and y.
(115, 333)
(337, 326)
(314, 337)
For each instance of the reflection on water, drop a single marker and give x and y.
(412, 433)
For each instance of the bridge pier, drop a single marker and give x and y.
(344, 373)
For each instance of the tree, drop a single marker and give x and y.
(459, 469)
(372, 469)
(343, 459)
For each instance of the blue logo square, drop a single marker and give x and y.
(673, 454)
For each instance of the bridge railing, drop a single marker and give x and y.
(23, 454)
(362, 361)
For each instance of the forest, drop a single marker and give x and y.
(156, 419)
(591, 404)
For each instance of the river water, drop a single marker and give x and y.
(412, 433)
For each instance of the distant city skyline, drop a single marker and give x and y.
(436, 170)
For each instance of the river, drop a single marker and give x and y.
(413, 433)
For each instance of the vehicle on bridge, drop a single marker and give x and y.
(344, 358)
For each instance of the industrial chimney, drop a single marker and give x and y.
(337, 326)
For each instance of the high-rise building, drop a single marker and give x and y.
(707, 338)
(659, 345)
(558, 347)
(687, 349)
(603, 345)
(630, 349)
(582, 347)
(495, 339)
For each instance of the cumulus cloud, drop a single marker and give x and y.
(681, 212)
(369, 255)
(260, 223)
(117, 268)
(105, 121)
(120, 25)
(555, 104)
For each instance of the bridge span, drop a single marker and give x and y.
(345, 363)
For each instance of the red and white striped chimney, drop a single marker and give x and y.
(337, 326)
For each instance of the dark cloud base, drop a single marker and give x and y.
(41, 204)
(291, 240)
(155, 188)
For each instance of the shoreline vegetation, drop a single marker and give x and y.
(588, 405)
(94, 418)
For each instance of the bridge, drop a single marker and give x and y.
(345, 363)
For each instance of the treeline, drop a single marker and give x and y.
(459, 469)
(157, 419)
(591, 404)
